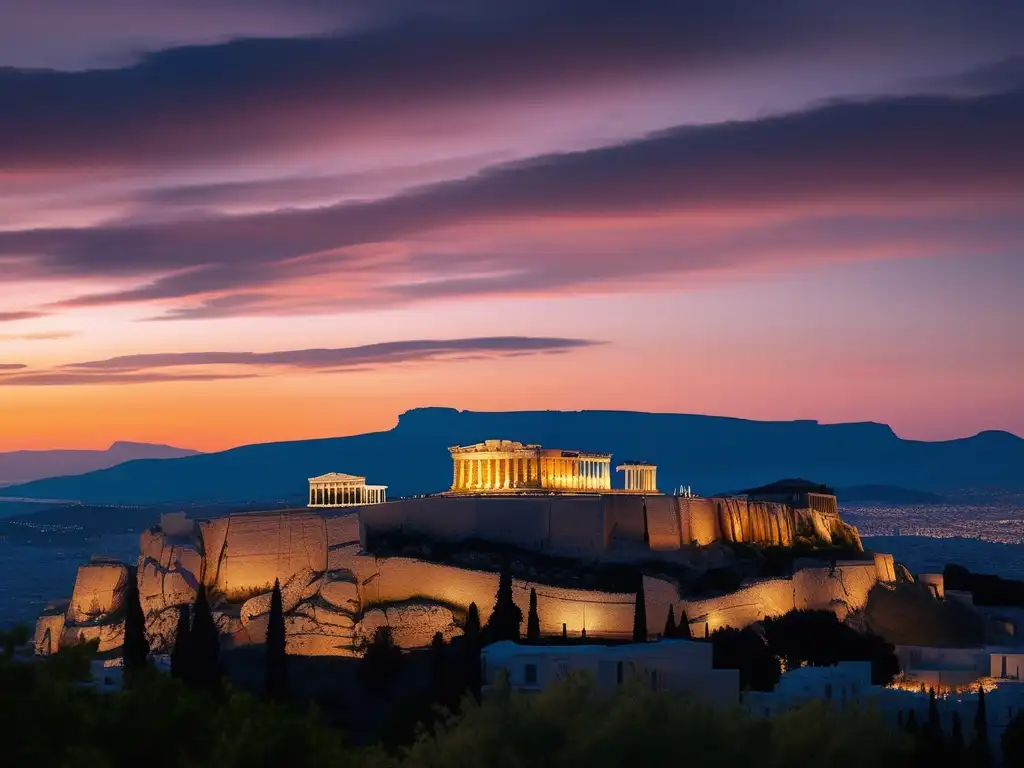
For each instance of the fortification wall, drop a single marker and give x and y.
(263, 546)
(751, 603)
(399, 579)
(841, 591)
(700, 524)
(623, 519)
(663, 523)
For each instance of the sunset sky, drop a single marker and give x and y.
(235, 221)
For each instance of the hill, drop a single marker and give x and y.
(24, 466)
(706, 452)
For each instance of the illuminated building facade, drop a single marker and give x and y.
(506, 466)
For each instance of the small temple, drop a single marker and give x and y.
(507, 466)
(336, 489)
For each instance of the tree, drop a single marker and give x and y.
(670, 624)
(956, 742)
(181, 653)
(276, 648)
(438, 670)
(683, 628)
(504, 621)
(981, 755)
(818, 638)
(471, 650)
(640, 615)
(743, 649)
(532, 619)
(381, 660)
(204, 644)
(136, 644)
(933, 737)
(1012, 741)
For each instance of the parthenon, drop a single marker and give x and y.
(336, 489)
(506, 466)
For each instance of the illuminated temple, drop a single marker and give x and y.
(506, 466)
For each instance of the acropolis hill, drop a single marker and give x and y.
(351, 560)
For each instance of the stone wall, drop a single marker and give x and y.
(99, 590)
(842, 591)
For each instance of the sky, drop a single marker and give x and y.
(236, 221)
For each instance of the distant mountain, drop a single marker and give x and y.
(706, 452)
(886, 494)
(24, 466)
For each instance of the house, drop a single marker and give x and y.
(679, 666)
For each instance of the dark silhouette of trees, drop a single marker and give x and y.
(955, 754)
(670, 624)
(683, 628)
(204, 669)
(506, 617)
(276, 648)
(533, 619)
(440, 689)
(640, 615)
(1012, 741)
(181, 650)
(471, 651)
(932, 745)
(981, 753)
(743, 649)
(819, 639)
(136, 644)
(381, 661)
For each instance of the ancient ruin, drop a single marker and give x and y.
(339, 582)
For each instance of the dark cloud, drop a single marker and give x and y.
(12, 366)
(148, 368)
(10, 317)
(198, 104)
(894, 152)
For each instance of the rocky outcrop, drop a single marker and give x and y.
(99, 591)
(412, 625)
(293, 592)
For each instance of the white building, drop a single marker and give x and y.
(680, 666)
(336, 489)
(847, 681)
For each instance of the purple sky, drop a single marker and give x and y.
(211, 209)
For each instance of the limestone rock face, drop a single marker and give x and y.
(49, 628)
(412, 626)
(99, 591)
(111, 636)
(292, 592)
(160, 629)
(340, 591)
(170, 568)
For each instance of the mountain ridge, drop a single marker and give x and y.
(705, 452)
(17, 467)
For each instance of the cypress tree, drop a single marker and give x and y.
(683, 627)
(956, 742)
(506, 617)
(205, 644)
(640, 615)
(707, 632)
(532, 619)
(136, 645)
(670, 624)
(276, 648)
(471, 650)
(180, 654)
(933, 736)
(438, 669)
(565, 632)
(979, 748)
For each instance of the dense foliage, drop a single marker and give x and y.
(51, 719)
